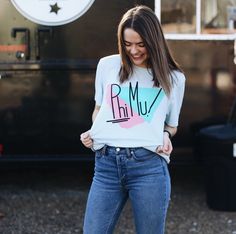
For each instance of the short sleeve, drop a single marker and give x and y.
(99, 84)
(176, 100)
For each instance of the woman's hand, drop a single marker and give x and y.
(86, 139)
(167, 147)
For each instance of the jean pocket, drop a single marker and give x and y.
(99, 153)
(143, 154)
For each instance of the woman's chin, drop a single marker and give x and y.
(139, 64)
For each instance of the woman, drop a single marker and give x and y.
(138, 98)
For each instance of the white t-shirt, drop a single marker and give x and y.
(133, 114)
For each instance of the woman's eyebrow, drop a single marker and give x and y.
(134, 43)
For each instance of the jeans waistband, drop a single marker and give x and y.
(128, 150)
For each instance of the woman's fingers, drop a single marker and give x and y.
(84, 136)
(166, 148)
(86, 139)
(159, 149)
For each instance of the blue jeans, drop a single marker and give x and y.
(122, 173)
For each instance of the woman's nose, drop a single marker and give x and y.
(133, 50)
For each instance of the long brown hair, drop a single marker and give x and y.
(144, 21)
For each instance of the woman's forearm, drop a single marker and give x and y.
(95, 112)
(171, 130)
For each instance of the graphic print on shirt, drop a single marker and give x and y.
(133, 105)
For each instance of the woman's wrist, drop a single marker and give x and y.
(168, 132)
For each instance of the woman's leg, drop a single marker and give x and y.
(149, 193)
(106, 197)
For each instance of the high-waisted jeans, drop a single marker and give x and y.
(122, 173)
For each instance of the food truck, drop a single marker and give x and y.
(49, 51)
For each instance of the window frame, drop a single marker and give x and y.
(199, 36)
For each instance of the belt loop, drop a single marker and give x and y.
(128, 152)
(104, 150)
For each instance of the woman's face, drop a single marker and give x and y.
(135, 48)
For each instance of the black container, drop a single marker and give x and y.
(216, 144)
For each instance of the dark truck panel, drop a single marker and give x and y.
(47, 79)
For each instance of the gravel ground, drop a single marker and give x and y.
(52, 201)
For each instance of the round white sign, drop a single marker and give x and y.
(52, 12)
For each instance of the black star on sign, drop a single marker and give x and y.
(55, 8)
